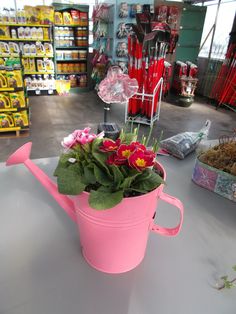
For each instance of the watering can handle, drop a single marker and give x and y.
(170, 231)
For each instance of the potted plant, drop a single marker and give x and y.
(116, 186)
(215, 168)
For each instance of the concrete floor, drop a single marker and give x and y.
(54, 117)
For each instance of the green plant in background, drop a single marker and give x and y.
(109, 170)
(227, 283)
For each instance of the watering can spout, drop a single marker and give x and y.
(21, 156)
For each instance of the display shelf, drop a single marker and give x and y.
(24, 39)
(58, 46)
(37, 56)
(26, 25)
(68, 36)
(37, 72)
(113, 24)
(71, 60)
(70, 73)
(11, 89)
(16, 128)
(71, 47)
(10, 55)
(6, 89)
(14, 109)
(42, 92)
(65, 25)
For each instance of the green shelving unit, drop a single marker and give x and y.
(58, 49)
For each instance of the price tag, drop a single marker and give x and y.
(37, 92)
(50, 91)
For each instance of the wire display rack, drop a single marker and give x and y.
(151, 100)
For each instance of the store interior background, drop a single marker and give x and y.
(54, 117)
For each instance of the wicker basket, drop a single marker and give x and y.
(215, 180)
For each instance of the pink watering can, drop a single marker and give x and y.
(112, 240)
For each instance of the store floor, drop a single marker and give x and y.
(53, 117)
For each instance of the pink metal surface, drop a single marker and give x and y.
(113, 240)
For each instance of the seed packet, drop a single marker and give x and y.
(124, 10)
(46, 14)
(75, 16)
(122, 31)
(124, 66)
(32, 14)
(122, 49)
(58, 18)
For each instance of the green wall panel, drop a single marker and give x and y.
(191, 26)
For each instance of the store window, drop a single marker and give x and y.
(224, 25)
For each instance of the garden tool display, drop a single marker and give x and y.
(174, 37)
(146, 63)
(173, 14)
(185, 82)
(224, 87)
(191, 69)
(166, 77)
(180, 69)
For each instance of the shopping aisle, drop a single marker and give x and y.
(54, 117)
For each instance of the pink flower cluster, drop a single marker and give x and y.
(80, 137)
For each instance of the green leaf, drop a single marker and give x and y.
(224, 278)
(63, 162)
(129, 137)
(117, 174)
(228, 284)
(135, 190)
(129, 180)
(102, 177)
(96, 144)
(106, 189)
(101, 200)
(149, 182)
(234, 267)
(100, 159)
(69, 182)
(89, 177)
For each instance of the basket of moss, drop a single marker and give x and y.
(215, 169)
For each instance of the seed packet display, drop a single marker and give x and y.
(124, 66)
(122, 31)
(122, 49)
(124, 10)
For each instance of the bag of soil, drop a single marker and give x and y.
(182, 144)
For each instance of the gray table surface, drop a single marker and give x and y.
(42, 270)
